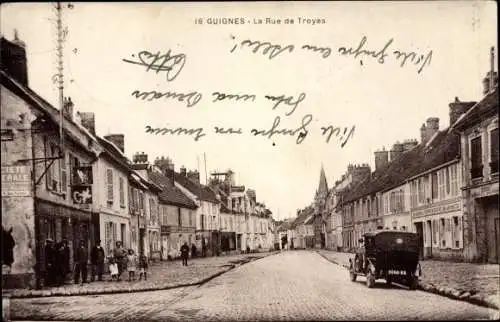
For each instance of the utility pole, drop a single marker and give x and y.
(60, 74)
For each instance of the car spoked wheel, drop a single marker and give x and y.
(370, 279)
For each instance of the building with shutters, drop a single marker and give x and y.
(47, 183)
(478, 131)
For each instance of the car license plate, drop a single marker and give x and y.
(395, 272)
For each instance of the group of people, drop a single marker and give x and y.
(57, 259)
(56, 262)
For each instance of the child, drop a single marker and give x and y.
(143, 267)
(131, 264)
(113, 269)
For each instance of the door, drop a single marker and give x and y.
(123, 235)
(420, 231)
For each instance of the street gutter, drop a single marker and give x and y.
(449, 292)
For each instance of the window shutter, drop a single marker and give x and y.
(122, 191)
(109, 181)
(64, 178)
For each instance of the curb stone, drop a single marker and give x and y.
(472, 296)
(167, 286)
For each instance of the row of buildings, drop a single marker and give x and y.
(443, 187)
(61, 180)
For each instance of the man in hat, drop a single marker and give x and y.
(49, 262)
(81, 260)
(97, 260)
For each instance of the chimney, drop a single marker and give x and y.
(194, 176)
(432, 126)
(491, 79)
(423, 133)
(429, 129)
(87, 119)
(397, 150)
(458, 108)
(13, 58)
(409, 144)
(68, 108)
(140, 157)
(118, 140)
(182, 171)
(381, 159)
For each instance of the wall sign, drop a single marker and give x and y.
(16, 181)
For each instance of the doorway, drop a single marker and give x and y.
(420, 232)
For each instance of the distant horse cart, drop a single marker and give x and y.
(390, 255)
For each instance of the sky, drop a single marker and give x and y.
(384, 103)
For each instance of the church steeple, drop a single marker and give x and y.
(323, 185)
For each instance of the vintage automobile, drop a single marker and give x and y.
(387, 254)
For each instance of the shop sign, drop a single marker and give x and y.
(81, 195)
(437, 210)
(16, 181)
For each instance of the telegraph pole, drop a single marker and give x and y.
(60, 75)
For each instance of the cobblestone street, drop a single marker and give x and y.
(294, 285)
(161, 275)
(479, 280)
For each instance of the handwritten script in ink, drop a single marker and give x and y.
(284, 104)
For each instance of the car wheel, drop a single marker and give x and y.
(370, 279)
(413, 283)
(352, 276)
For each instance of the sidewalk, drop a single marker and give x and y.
(475, 283)
(162, 275)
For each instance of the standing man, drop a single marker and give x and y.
(185, 254)
(49, 262)
(120, 255)
(81, 260)
(97, 260)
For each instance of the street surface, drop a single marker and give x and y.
(293, 285)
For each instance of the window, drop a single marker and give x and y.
(435, 231)
(494, 151)
(454, 180)
(421, 191)
(455, 232)
(140, 202)
(122, 192)
(152, 211)
(434, 183)
(190, 218)
(476, 158)
(446, 172)
(143, 203)
(109, 183)
(441, 184)
(53, 171)
(179, 216)
(442, 231)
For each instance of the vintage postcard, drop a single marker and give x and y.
(242, 161)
